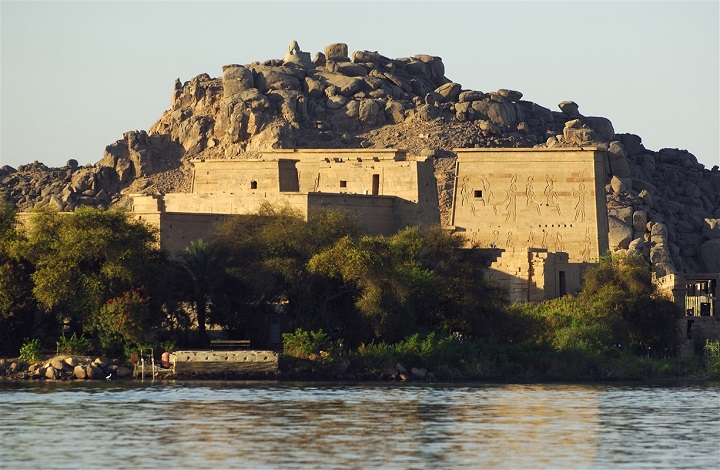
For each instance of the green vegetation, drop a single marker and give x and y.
(17, 303)
(77, 345)
(95, 280)
(618, 308)
(412, 281)
(61, 275)
(31, 350)
(202, 277)
(310, 345)
(121, 320)
(312, 352)
(712, 357)
(84, 258)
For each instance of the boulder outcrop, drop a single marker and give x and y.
(63, 367)
(366, 100)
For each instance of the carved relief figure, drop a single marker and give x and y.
(551, 196)
(510, 201)
(559, 244)
(464, 191)
(587, 246)
(529, 242)
(495, 236)
(530, 196)
(580, 194)
(487, 193)
(508, 241)
(544, 243)
(531, 238)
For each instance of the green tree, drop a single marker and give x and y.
(622, 285)
(270, 251)
(86, 257)
(17, 304)
(463, 300)
(413, 280)
(379, 279)
(122, 320)
(618, 306)
(203, 277)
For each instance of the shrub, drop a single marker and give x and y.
(167, 346)
(449, 356)
(712, 357)
(31, 350)
(134, 348)
(312, 345)
(121, 320)
(374, 358)
(78, 345)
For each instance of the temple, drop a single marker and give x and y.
(385, 190)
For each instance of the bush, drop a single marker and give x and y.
(78, 345)
(121, 320)
(449, 357)
(31, 350)
(712, 357)
(373, 358)
(312, 345)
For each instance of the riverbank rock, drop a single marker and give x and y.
(64, 367)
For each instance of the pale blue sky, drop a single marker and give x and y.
(76, 75)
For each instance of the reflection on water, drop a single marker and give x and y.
(271, 425)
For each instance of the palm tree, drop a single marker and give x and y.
(202, 274)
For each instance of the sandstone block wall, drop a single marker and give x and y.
(384, 189)
(235, 177)
(552, 199)
(303, 170)
(533, 275)
(694, 331)
(378, 214)
(695, 292)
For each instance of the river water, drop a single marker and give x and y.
(285, 425)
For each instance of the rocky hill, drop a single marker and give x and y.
(662, 204)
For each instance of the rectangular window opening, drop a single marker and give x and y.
(705, 309)
(478, 193)
(343, 184)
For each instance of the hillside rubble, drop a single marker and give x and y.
(664, 205)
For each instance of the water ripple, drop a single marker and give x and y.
(272, 425)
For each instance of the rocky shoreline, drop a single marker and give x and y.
(69, 368)
(65, 367)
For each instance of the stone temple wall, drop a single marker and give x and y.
(695, 331)
(384, 189)
(552, 199)
(534, 275)
(545, 209)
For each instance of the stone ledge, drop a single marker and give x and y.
(239, 363)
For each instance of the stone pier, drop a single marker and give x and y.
(235, 364)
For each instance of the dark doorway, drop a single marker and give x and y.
(562, 285)
(376, 185)
(288, 176)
